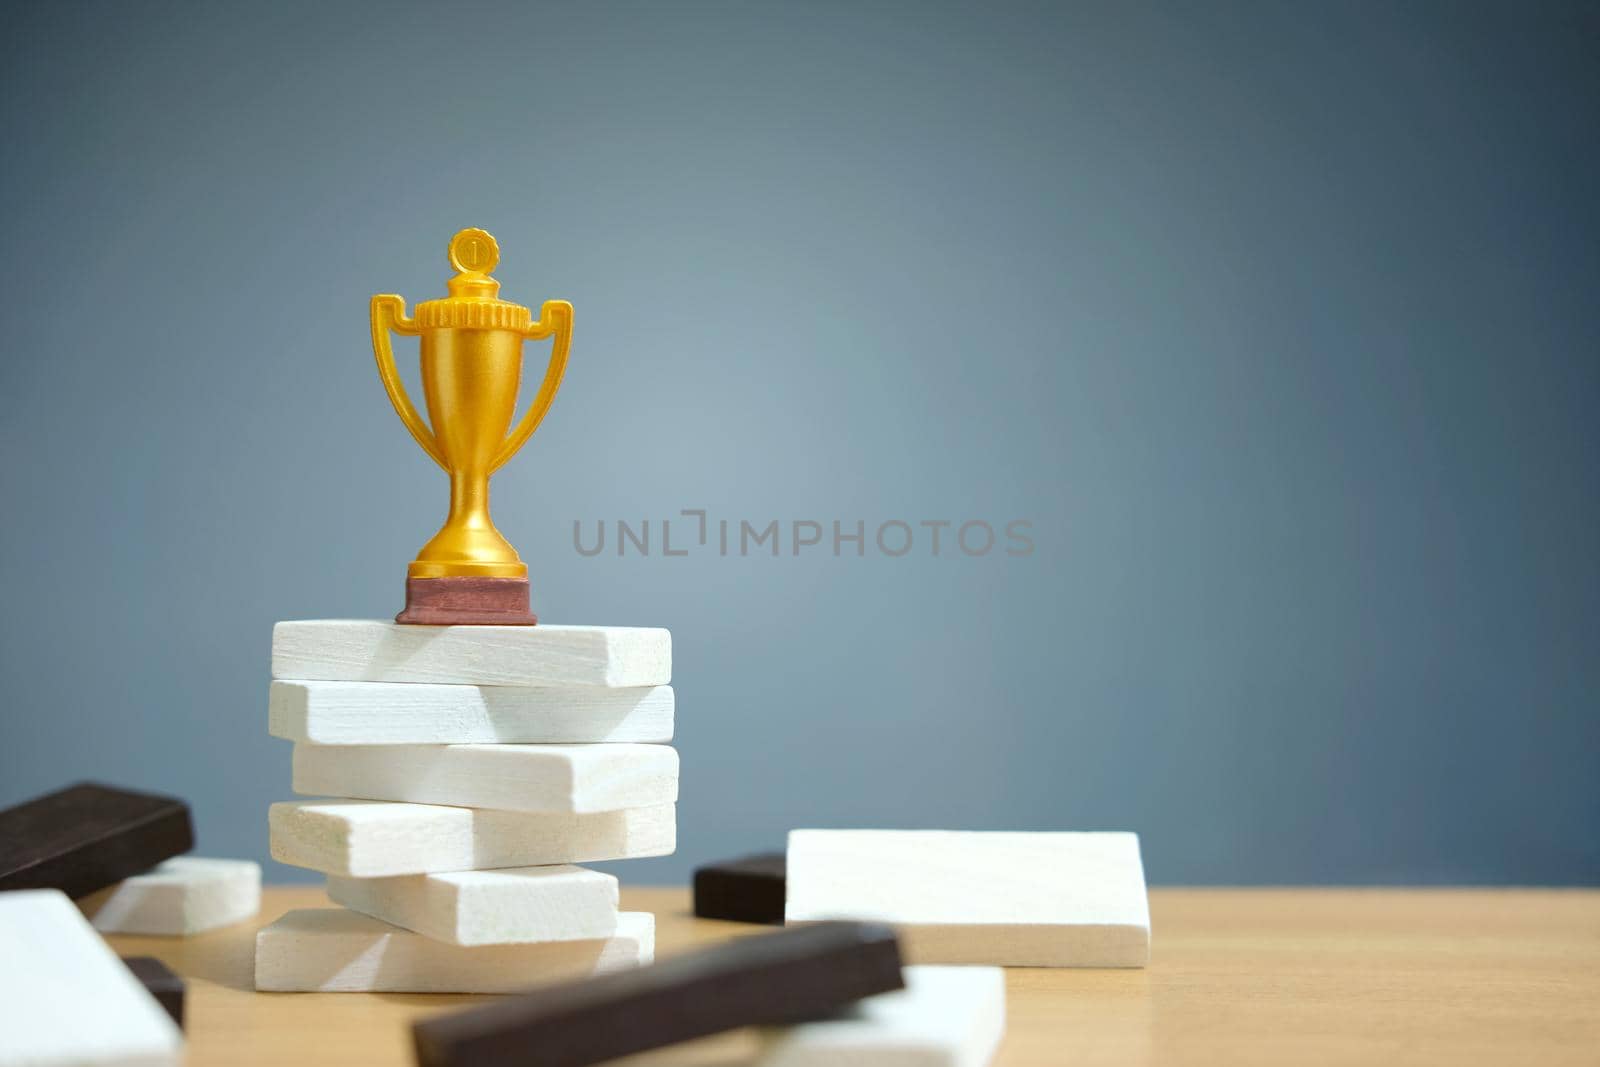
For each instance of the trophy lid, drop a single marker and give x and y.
(474, 301)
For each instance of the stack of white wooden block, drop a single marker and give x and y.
(474, 766)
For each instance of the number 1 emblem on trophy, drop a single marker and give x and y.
(471, 346)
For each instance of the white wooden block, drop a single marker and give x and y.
(65, 997)
(575, 778)
(371, 650)
(945, 1017)
(398, 713)
(331, 950)
(1012, 899)
(519, 905)
(367, 839)
(183, 895)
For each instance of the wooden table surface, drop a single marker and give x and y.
(1238, 976)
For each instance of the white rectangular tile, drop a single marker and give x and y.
(550, 778)
(944, 1017)
(183, 895)
(65, 997)
(1011, 899)
(371, 839)
(519, 905)
(373, 650)
(401, 713)
(331, 950)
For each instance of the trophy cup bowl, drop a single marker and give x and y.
(471, 362)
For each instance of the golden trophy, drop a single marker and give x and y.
(471, 367)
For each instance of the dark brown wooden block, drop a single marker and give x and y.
(467, 602)
(747, 890)
(775, 979)
(89, 836)
(165, 986)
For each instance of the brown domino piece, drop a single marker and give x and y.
(778, 979)
(746, 890)
(89, 836)
(159, 981)
(467, 602)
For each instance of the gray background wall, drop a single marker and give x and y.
(1277, 321)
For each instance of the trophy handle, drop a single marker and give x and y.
(555, 317)
(389, 313)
